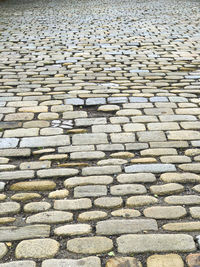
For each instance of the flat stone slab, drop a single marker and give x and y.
(37, 248)
(167, 260)
(155, 243)
(45, 141)
(16, 175)
(73, 229)
(9, 208)
(116, 227)
(154, 168)
(8, 142)
(84, 262)
(50, 217)
(13, 233)
(19, 264)
(90, 245)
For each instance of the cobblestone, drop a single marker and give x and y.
(99, 133)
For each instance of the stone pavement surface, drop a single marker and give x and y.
(99, 133)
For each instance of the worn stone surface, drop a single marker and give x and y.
(37, 248)
(13, 233)
(155, 243)
(50, 217)
(193, 259)
(161, 212)
(116, 227)
(123, 261)
(165, 261)
(90, 245)
(84, 262)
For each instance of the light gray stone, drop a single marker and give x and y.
(45, 141)
(116, 227)
(16, 175)
(90, 245)
(73, 204)
(154, 168)
(8, 143)
(9, 208)
(83, 262)
(73, 229)
(57, 172)
(136, 178)
(18, 264)
(13, 233)
(155, 243)
(127, 189)
(89, 139)
(90, 191)
(50, 217)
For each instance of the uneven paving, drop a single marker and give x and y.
(99, 133)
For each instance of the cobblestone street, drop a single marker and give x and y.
(99, 133)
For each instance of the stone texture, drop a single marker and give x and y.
(166, 189)
(90, 245)
(165, 212)
(193, 260)
(77, 204)
(19, 264)
(73, 229)
(9, 208)
(3, 250)
(45, 141)
(50, 217)
(123, 261)
(117, 227)
(127, 189)
(183, 226)
(154, 168)
(90, 191)
(33, 186)
(13, 233)
(165, 261)
(84, 262)
(155, 243)
(140, 201)
(37, 248)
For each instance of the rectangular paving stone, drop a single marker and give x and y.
(177, 118)
(68, 149)
(95, 101)
(45, 141)
(90, 191)
(17, 175)
(154, 168)
(116, 227)
(101, 170)
(13, 233)
(110, 147)
(20, 152)
(83, 262)
(19, 264)
(90, 121)
(73, 204)
(9, 142)
(138, 243)
(150, 136)
(57, 172)
(89, 139)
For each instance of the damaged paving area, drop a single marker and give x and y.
(99, 133)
